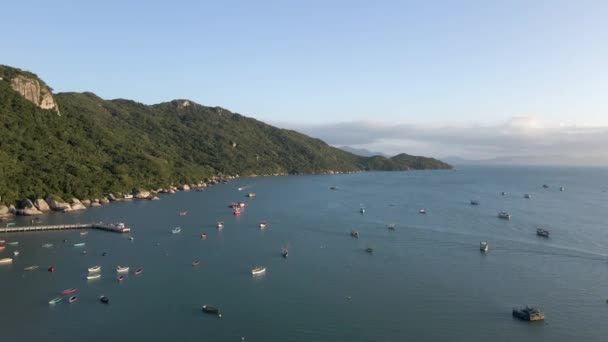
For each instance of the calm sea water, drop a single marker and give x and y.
(426, 281)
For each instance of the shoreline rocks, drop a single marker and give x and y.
(42, 205)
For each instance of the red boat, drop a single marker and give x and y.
(203, 236)
(69, 291)
(138, 271)
(51, 269)
(237, 212)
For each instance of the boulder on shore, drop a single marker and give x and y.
(86, 202)
(95, 204)
(12, 209)
(155, 198)
(57, 205)
(29, 212)
(184, 187)
(104, 200)
(78, 206)
(3, 210)
(41, 205)
(74, 200)
(142, 194)
(111, 197)
(25, 204)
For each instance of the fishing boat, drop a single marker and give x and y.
(333, 188)
(183, 213)
(94, 269)
(120, 278)
(93, 276)
(128, 196)
(422, 211)
(504, 215)
(84, 233)
(104, 299)
(561, 188)
(542, 232)
(285, 252)
(483, 246)
(391, 227)
(80, 244)
(236, 212)
(213, 310)
(72, 299)
(51, 269)
(243, 205)
(528, 314)
(527, 196)
(362, 210)
(138, 271)
(474, 202)
(369, 250)
(203, 236)
(47, 245)
(354, 233)
(251, 194)
(69, 291)
(195, 263)
(122, 269)
(219, 225)
(13, 243)
(258, 270)
(55, 300)
(176, 230)
(545, 186)
(15, 253)
(31, 268)
(262, 225)
(6, 261)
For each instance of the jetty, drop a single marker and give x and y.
(117, 228)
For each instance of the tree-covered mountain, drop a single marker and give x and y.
(77, 144)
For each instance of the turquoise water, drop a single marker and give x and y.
(426, 281)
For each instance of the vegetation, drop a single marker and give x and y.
(97, 146)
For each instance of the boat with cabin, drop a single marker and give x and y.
(212, 310)
(528, 313)
(250, 195)
(422, 211)
(93, 276)
(6, 261)
(483, 246)
(542, 232)
(504, 215)
(176, 230)
(122, 269)
(94, 269)
(220, 225)
(72, 299)
(258, 270)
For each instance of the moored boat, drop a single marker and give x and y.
(527, 196)
(6, 261)
(542, 232)
(483, 246)
(13, 243)
(258, 270)
(391, 227)
(31, 268)
(94, 269)
(362, 210)
(369, 250)
(263, 225)
(236, 212)
(354, 233)
(55, 300)
(474, 202)
(545, 186)
(84, 233)
(195, 263)
(15, 253)
(104, 299)
(176, 230)
(285, 252)
(93, 276)
(122, 269)
(561, 188)
(203, 236)
(183, 213)
(422, 211)
(72, 299)
(2, 248)
(69, 291)
(120, 278)
(51, 269)
(503, 193)
(219, 225)
(504, 215)
(251, 194)
(528, 314)
(80, 244)
(47, 245)
(138, 271)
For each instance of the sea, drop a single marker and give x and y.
(425, 281)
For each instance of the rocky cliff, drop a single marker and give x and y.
(30, 87)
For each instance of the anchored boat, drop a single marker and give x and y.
(94, 269)
(176, 230)
(542, 232)
(31, 268)
(6, 261)
(504, 215)
(72, 299)
(122, 269)
(93, 276)
(285, 252)
(263, 225)
(213, 310)
(138, 271)
(80, 244)
(220, 225)
(483, 246)
(258, 270)
(354, 233)
(69, 291)
(55, 300)
(104, 299)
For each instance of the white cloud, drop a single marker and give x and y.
(525, 138)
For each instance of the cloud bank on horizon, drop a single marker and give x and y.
(520, 140)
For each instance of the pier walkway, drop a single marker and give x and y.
(117, 228)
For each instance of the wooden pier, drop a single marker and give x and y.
(117, 228)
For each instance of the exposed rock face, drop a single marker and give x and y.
(25, 204)
(111, 197)
(75, 200)
(95, 204)
(78, 206)
(86, 202)
(155, 198)
(42, 205)
(28, 212)
(104, 200)
(184, 187)
(34, 92)
(3, 210)
(142, 194)
(57, 205)
(12, 209)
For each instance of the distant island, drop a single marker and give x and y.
(78, 145)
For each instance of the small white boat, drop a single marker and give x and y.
(80, 244)
(13, 243)
(93, 276)
(561, 188)
(220, 225)
(94, 269)
(258, 270)
(47, 245)
(422, 211)
(263, 225)
(84, 233)
(176, 230)
(240, 189)
(6, 261)
(504, 215)
(483, 246)
(122, 269)
(128, 196)
(527, 196)
(31, 268)
(131, 238)
(15, 253)
(362, 210)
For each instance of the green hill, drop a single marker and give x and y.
(85, 146)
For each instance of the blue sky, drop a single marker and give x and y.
(310, 63)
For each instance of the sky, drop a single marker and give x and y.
(470, 79)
